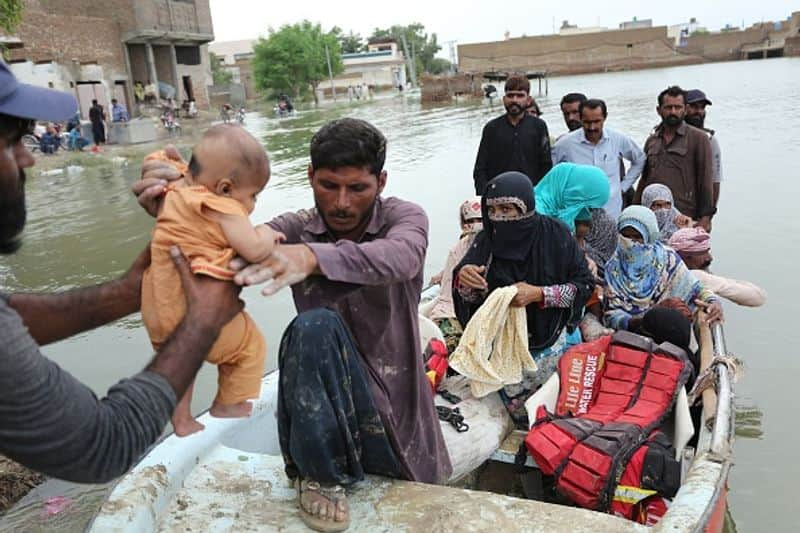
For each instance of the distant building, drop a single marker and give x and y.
(572, 29)
(237, 58)
(98, 50)
(680, 32)
(636, 24)
(382, 66)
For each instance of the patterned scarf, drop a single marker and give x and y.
(639, 275)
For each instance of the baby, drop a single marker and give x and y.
(206, 215)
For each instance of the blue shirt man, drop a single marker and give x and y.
(118, 112)
(603, 148)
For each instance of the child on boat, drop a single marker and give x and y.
(206, 215)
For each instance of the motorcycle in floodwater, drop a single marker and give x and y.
(169, 123)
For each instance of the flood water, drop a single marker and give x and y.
(85, 227)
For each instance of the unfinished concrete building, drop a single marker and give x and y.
(99, 50)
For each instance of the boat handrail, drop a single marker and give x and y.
(723, 420)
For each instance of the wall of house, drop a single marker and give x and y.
(201, 77)
(173, 15)
(565, 54)
(724, 46)
(616, 49)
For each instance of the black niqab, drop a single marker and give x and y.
(536, 249)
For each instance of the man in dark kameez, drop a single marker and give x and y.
(515, 141)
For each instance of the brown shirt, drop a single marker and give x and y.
(375, 284)
(684, 165)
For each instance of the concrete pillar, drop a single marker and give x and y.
(132, 106)
(151, 67)
(176, 80)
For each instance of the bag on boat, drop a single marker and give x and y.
(436, 362)
(651, 479)
(615, 392)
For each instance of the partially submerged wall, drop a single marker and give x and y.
(570, 54)
(444, 88)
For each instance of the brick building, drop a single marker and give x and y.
(100, 49)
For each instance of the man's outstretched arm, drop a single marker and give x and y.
(56, 316)
(51, 422)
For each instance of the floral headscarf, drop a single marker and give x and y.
(470, 216)
(639, 275)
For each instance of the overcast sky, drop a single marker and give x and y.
(469, 21)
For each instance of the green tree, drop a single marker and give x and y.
(220, 75)
(421, 46)
(10, 15)
(351, 43)
(439, 65)
(293, 59)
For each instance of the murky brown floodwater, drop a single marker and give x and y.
(85, 228)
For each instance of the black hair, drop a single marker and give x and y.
(571, 98)
(94, 101)
(348, 142)
(113, 100)
(671, 91)
(518, 82)
(593, 103)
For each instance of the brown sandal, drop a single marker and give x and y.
(334, 494)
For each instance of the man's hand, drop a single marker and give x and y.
(705, 223)
(288, 264)
(210, 303)
(149, 190)
(527, 294)
(713, 311)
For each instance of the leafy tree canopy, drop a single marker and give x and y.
(351, 43)
(422, 46)
(10, 15)
(293, 59)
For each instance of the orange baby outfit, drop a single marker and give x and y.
(184, 221)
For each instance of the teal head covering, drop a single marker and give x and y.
(568, 191)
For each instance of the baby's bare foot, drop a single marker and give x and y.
(186, 426)
(236, 410)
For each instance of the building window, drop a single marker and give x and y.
(187, 55)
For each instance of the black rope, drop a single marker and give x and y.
(453, 416)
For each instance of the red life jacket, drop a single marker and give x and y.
(614, 393)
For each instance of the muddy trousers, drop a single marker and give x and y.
(328, 426)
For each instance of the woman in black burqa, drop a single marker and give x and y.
(537, 254)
